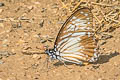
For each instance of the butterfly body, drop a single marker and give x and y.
(75, 41)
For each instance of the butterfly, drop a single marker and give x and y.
(75, 42)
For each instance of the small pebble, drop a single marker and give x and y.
(0, 57)
(37, 2)
(1, 79)
(16, 25)
(6, 53)
(61, 22)
(30, 7)
(96, 66)
(41, 23)
(99, 79)
(1, 10)
(5, 41)
(36, 36)
(43, 41)
(1, 62)
(55, 5)
(24, 18)
(34, 66)
(35, 56)
(1, 25)
(43, 10)
(1, 20)
(36, 78)
(2, 4)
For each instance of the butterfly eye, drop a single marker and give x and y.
(75, 41)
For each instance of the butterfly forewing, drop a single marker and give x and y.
(75, 40)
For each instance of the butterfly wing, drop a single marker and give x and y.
(75, 40)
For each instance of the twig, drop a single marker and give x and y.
(33, 52)
(101, 4)
(97, 18)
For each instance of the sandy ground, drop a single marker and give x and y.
(31, 24)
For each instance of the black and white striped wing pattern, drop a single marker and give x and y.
(75, 42)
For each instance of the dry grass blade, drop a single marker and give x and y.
(77, 6)
(101, 4)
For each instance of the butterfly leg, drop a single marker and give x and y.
(65, 64)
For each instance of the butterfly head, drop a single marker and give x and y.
(51, 53)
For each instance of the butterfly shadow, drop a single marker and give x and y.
(62, 63)
(105, 58)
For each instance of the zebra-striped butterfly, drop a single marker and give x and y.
(75, 42)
